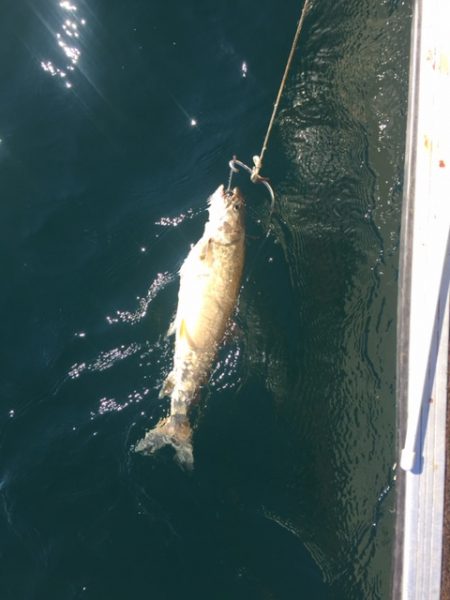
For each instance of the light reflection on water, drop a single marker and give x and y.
(297, 427)
(125, 316)
(175, 220)
(66, 40)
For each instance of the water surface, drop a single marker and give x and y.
(117, 121)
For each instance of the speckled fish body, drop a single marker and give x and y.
(210, 279)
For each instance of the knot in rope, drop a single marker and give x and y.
(255, 177)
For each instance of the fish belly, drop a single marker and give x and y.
(209, 286)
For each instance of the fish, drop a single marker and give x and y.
(210, 281)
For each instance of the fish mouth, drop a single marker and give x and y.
(224, 202)
(231, 196)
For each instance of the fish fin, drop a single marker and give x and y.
(172, 328)
(183, 334)
(174, 431)
(206, 253)
(183, 330)
(167, 386)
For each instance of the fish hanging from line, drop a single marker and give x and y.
(210, 279)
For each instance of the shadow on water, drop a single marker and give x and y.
(105, 188)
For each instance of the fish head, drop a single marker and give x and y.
(227, 214)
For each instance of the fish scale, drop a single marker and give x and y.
(210, 280)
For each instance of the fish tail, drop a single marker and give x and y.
(173, 431)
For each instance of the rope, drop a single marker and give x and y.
(233, 169)
(258, 160)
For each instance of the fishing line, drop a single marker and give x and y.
(254, 171)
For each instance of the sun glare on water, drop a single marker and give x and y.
(66, 39)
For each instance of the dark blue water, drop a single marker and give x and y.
(117, 121)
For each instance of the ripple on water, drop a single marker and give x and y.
(318, 320)
(339, 209)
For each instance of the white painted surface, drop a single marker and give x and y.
(424, 454)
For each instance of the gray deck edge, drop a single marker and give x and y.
(404, 290)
